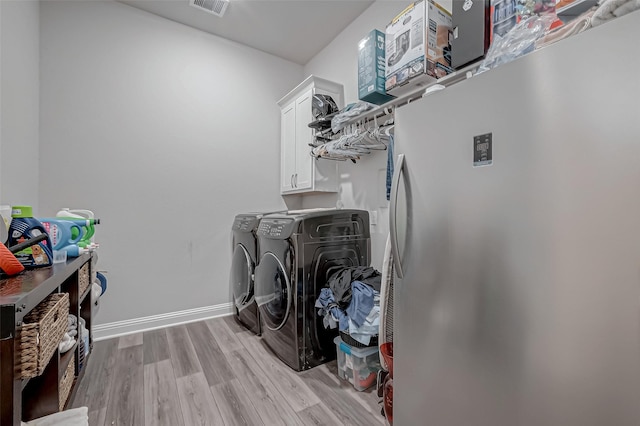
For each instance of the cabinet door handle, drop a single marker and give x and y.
(296, 180)
(292, 181)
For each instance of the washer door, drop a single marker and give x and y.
(241, 277)
(273, 291)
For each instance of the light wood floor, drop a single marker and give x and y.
(212, 372)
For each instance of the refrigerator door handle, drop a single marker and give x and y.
(393, 230)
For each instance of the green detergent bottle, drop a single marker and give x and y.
(84, 218)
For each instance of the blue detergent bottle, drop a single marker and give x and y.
(62, 232)
(88, 221)
(23, 227)
(84, 232)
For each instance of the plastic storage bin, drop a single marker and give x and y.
(359, 366)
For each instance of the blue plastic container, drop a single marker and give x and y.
(62, 232)
(73, 250)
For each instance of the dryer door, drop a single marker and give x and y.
(241, 277)
(273, 292)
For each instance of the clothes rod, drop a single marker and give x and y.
(388, 108)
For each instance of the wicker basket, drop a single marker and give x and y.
(41, 332)
(83, 278)
(66, 383)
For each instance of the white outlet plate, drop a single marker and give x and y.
(373, 217)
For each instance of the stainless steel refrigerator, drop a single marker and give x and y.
(515, 220)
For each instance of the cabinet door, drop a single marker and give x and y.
(304, 136)
(288, 146)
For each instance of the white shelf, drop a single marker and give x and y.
(575, 8)
(417, 93)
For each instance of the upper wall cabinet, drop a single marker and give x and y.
(299, 171)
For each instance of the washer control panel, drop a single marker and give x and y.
(245, 223)
(275, 228)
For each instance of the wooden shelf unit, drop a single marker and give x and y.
(22, 400)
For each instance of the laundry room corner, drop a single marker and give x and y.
(144, 125)
(19, 102)
(319, 212)
(362, 185)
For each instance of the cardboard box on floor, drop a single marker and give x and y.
(417, 47)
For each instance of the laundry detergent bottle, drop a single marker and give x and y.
(62, 232)
(89, 231)
(88, 221)
(24, 227)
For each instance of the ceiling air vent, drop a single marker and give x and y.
(215, 7)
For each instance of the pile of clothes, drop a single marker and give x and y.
(610, 9)
(351, 302)
(69, 338)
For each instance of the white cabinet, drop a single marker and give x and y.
(299, 172)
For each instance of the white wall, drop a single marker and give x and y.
(19, 102)
(166, 133)
(362, 184)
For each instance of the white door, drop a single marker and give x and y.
(288, 148)
(304, 134)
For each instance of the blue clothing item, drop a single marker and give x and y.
(331, 311)
(369, 329)
(389, 166)
(361, 302)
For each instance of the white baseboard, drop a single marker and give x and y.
(136, 325)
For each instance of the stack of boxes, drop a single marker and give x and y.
(415, 48)
(418, 43)
(418, 47)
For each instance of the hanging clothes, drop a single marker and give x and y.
(340, 282)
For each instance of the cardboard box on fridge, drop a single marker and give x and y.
(371, 69)
(417, 47)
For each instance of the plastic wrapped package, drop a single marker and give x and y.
(519, 41)
(576, 26)
(528, 8)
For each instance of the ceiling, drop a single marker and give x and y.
(295, 30)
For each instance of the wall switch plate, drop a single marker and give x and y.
(373, 217)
